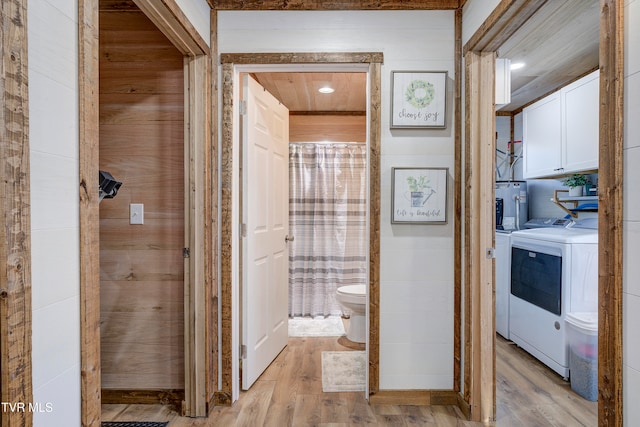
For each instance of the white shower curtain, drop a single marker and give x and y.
(327, 217)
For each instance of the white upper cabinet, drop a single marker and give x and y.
(560, 132)
(580, 110)
(542, 137)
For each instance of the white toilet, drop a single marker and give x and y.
(354, 298)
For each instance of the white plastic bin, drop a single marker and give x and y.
(582, 332)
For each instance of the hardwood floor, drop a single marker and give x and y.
(530, 394)
(289, 393)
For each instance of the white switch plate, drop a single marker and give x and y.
(136, 213)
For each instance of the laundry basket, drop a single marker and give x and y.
(582, 332)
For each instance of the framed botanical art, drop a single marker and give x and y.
(418, 99)
(419, 195)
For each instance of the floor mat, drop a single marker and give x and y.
(322, 327)
(343, 371)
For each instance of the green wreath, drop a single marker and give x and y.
(419, 93)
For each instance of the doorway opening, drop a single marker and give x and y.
(327, 184)
(197, 357)
(479, 55)
(230, 273)
(327, 201)
(142, 228)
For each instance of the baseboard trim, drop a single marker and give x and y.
(464, 406)
(147, 397)
(222, 398)
(415, 397)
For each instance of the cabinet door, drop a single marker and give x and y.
(542, 137)
(580, 109)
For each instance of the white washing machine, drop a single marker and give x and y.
(554, 271)
(503, 281)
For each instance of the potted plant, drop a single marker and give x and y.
(576, 184)
(417, 187)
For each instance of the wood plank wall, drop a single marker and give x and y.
(15, 230)
(142, 145)
(314, 128)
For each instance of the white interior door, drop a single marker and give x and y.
(265, 138)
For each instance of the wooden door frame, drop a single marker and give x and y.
(199, 211)
(479, 148)
(229, 61)
(15, 231)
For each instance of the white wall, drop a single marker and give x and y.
(631, 225)
(198, 12)
(474, 13)
(503, 129)
(416, 296)
(53, 118)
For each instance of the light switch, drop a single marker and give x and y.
(136, 213)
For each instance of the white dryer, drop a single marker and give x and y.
(554, 271)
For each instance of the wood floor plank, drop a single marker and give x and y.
(289, 393)
(390, 420)
(280, 414)
(256, 404)
(362, 414)
(334, 409)
(416, 415)
(307, 411)
(311, 372)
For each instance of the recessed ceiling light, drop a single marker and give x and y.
(516, 65)
(326, 89)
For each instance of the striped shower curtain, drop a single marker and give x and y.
(327, 217)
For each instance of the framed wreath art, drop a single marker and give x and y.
(418, 99)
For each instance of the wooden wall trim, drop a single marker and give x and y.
(334, 5)
(415, 397)
(501, 24)
(327, 113)
(174, 24)
(15, 236)
(479, 212)
(375, 129)
(145, 397)
(197, 228)
(457, 207)
(211, 225)
(88, 84)
(302, 58)
(225, 392)
(610, 194)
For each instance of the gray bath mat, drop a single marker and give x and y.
(343, 371)
(323, 327)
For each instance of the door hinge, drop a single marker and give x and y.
(186, 252)
(491, 253)
(243, 351)
(243, 107)
(243, 230)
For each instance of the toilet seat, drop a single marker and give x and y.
(355, 294)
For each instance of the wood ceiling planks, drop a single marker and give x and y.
(558, 44)
(300, 91)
